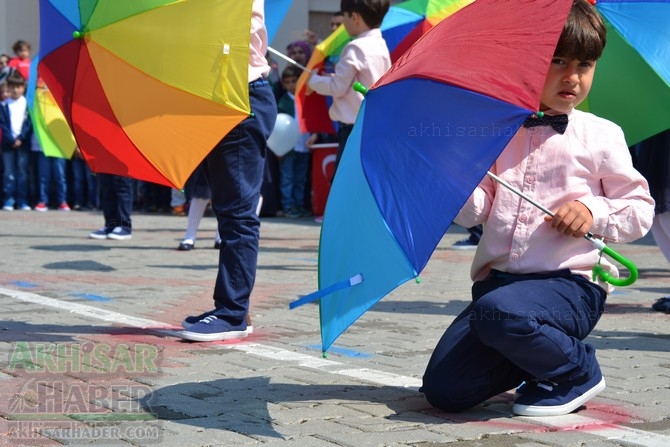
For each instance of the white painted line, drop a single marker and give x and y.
(625, 435)
(593, 426)
(87, 311)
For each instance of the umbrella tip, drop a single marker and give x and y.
(77, 34)
(539, 114)
(324, 354)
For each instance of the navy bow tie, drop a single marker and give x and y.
(558, 122)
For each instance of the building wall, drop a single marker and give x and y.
(19, 19)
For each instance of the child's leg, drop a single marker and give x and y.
(195, 212)
(538, 322)
(661, 231)
(463, 372)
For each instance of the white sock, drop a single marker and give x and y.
(195, 212)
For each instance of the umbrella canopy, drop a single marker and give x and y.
(403, 24)
(632, 83)
(49, 124)
(406, 174)
(148, 87)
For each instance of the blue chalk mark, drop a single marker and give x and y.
(342, 351)
(27, 285)
(90, 296)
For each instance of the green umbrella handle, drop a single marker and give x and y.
(360, 88)
(599, 272)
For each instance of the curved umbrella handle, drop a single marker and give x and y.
(360, 88)
(599, 272)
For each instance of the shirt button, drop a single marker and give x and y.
(536, 142)
(530, 179)
(515, 257)
(523, 218)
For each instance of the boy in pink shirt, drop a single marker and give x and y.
(365, 59)
(533, 298)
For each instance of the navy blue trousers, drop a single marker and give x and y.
(116, 200)
(234, 171)
(517, 327)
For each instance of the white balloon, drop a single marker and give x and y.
(285, 134)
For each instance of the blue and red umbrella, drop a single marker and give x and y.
(425, 137)
(457, 97)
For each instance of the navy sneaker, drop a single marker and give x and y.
(466, 244)
(99, 234)
(193, 319)
(212, 328)
(119, 234)
(546, 398)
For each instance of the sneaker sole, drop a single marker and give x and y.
(196, 336)
(97, 236)
(559, 410)
(116, 237)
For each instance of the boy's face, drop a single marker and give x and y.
(23, 53)
(289, 83)
(567, 84)
(16, 90)
(335, 22)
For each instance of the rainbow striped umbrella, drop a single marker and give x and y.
(148, 87)
(49, 123)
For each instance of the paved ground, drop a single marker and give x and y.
(87, 355)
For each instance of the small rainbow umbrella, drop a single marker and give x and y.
(49, 123)
(402, 26)
(632, 83)
(148, 87)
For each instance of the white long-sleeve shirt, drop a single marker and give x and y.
(365, 59)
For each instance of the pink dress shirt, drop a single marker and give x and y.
(258, 64)
(589, 163)
(365, 59)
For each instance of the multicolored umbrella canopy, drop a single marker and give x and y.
(402, 26)
(632, 82)
(458, 96)
(148, 87)
(49, 124)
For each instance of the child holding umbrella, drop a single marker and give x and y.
(534, 301)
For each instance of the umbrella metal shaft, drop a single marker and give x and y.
(588, 236)
(288, 59)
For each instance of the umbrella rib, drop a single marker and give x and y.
(354, 280)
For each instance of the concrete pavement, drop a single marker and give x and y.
(88, 356)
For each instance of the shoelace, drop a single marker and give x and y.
(547, 385)
(208, 319)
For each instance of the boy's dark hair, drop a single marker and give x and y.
(583, 36)
(372, 11)
(15, 78)
(291, 72)
(20, 44)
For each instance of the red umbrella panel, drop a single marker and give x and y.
(147, 87)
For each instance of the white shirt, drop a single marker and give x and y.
(17, 113)
(365, 59)
(258, 64)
